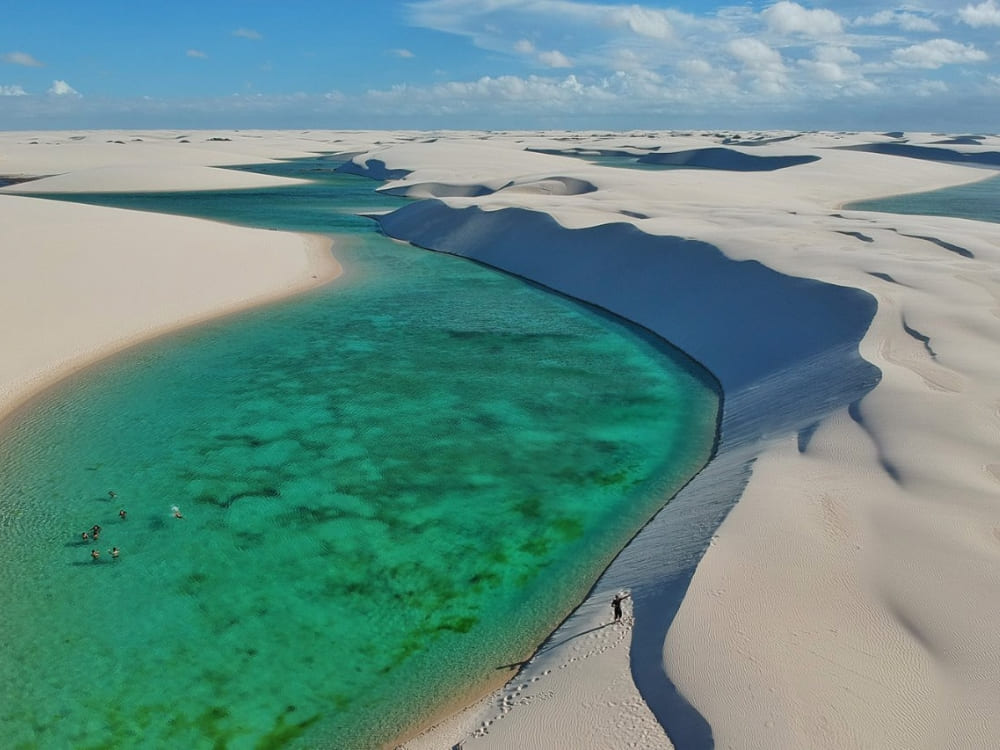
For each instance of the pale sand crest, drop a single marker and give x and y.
(848, 599)
(80, 282)
(844, 602)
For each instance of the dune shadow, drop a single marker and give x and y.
(725, 159)
(773, 368)
(928, 153)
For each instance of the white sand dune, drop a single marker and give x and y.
(821, 628)
(79, 282)
(829, 579)
(139, 177)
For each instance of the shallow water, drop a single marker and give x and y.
(390, 488)
(978, 200)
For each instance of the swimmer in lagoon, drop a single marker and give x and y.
(95, 554)
(112, 494)
(85, 536)
(114, 553)
(122, 514)
(176, 511)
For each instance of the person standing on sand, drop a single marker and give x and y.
(616, 604)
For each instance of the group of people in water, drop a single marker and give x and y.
(94, 533)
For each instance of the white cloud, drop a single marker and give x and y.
(14, 90)
(246, 33)
(836, 54)
(551, 58)
(643, 21)
(937, 52)
(830, 72)
(21, 58)
(754, 53)
(487, 92)
(623, 58)
(196, 53)
(404, 53)
(858, 87)
(695, 67)
(929, 88)
(764, 64)
(987, 13)
(487, 20)
(904, 19)
(828, 64)
(699, 90)
(554, 59)
(61, 88)
(791, 18)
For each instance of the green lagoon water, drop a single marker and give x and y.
(977, 200)
(391, 487)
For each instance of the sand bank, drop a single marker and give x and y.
(80, 282)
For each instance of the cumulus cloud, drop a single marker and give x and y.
(985, 14)
(643, 21)
(830, 72)
(196, 53)
(903, 19)
(12, 91)
(554, 59)
(828, 64)
(937, 52)
(486, 91)
(836, 54)
(21, 58)
(754, 53)
(491, 23)
(763, 63)
(246, 33)
(61, 88)
(695, 67)
(791, 18)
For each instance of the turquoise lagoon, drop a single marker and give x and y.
(976, 200)
(393, 488)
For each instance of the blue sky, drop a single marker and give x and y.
(501, 64)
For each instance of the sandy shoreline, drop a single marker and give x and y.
(845, 599)
(84, 282)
